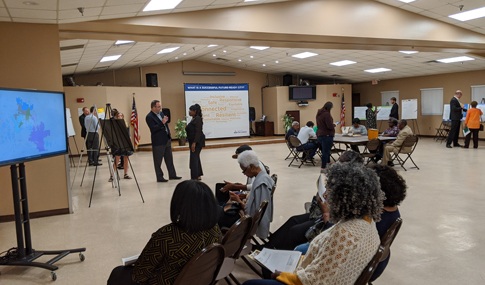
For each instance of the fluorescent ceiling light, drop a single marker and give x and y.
(304, 54)
(211, 45)
(120, 42)
(259, 47)
(264, 64)
(156, 5)
(168, 50)
(455, 59)
(469, 15)
(251, 0)
(343, 62)
(110, 58)
(377, 70)
(407, 1)
(408, 51)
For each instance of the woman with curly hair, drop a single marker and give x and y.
(338, 255)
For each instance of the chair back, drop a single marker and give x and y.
(373, 144)
(275, 179)
(389, 236)
(257, 218)
(410, 141)
(203, 267)
(370, 268)
(294, 141)
(235, 239)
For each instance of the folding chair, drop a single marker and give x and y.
(371, 149)
(291, 148)
(409, 143)
(275, 179)
(203, 267)
(233, 242)
(370, 268)
(296, 142)
(337, 151)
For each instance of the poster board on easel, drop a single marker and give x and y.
(409, 109)
(70, 126)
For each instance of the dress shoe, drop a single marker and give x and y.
(390, 163)
(96, 164)
(175, 178)
(457, 145)
(162, 180)
(448, 146)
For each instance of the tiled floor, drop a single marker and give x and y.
(441, 241)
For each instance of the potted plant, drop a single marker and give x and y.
(180, 132)
(288, 120)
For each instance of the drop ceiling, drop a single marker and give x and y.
(85, 59)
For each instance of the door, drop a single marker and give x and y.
(295, 115)
(355, 102)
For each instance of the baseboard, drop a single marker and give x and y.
(34, 215)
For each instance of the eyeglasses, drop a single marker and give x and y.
(244, 171)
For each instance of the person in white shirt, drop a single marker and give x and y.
(92, 142)
(306, 133)
(357, 129)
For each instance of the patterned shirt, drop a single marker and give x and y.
(392, 132)
(166, 253)
(371, 119)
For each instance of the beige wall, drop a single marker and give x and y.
(276, 102)
(30, 58)
(171, 81)
(120, 98)
(409, 88)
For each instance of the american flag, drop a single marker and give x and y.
(134, 122)
(342, 112)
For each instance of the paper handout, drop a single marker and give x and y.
(281, 260)
(321, 188)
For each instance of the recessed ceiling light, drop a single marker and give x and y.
(211, 45)
(156, 5)
(455, 59)
(168, 50)
(264, 64)
(120, 42)
(259, 47)
(239, 60)
(30, 3)
(277, 62)
(342, 62)
(110, 58)
(224, 51)
(408, 51)
(214, 55)
(185, 53)
(251, 0)
(304, 54)
(251, 56)
(176, 57)
(469, 15)
(377, 70)
(407, 1)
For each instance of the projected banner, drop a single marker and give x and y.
(225, 108)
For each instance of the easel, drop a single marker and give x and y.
(25, 255)
(116, 137)
(110, 162)
(415, 126)
(71, 158)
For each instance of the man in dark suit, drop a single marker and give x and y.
(161, 142)
(456, 114)
(394, 110)
(81, 121)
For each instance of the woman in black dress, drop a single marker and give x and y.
(196, 139)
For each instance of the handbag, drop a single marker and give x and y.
(316, 229)
(315, 211)
(232, 209)
(481, 127)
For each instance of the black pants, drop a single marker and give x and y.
(194, 163)
(121, 275)
(93, 143)
(454, 133)
(355, 148)
(159, 153)
(291, 233)
(473, 132)
(226, 220)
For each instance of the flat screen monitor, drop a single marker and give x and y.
(33, 125)
(302, 93)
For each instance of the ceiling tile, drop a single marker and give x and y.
(27, 20)
(427, 4)
(392, 2)
(411, 8)
(125, 2)
(33, 14)
(445, 10)
(5, 19)
(116, 16)
(74, 4)
(75, 20)
(122, 9)
(4, 13)
(74, 13)
(42, 5)
(194, 3)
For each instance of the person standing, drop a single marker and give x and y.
(81, 121)
(325, 132)
(472, 121)
(196, 139)
(456, 114)
(394, 110)
(92, 142)
(161, 141)
(370, 116)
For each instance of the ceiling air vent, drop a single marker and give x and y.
(67, 65)
(72, 47)
(222, 59)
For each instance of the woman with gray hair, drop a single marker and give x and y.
(338, 255)
(261, 190)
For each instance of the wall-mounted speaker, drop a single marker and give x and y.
(287, 80)
(166, 112)
(252, 114)
(152, 80)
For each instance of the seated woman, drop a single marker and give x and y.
(357, 129)
(292, 232)
(261, 190)
(193, 212)
(338, 255)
